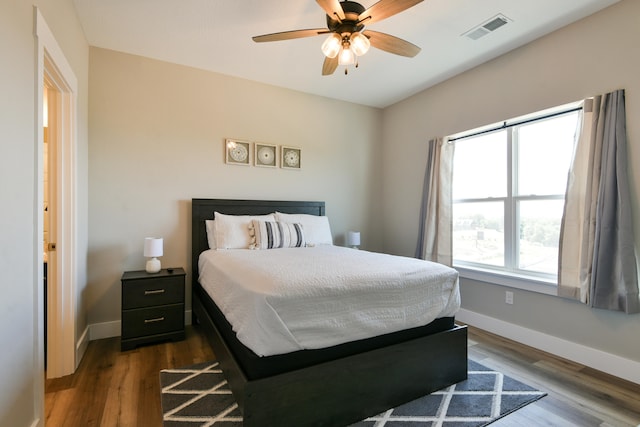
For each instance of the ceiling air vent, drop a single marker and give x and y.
(487, 27)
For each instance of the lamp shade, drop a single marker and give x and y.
(359, 44)
(153, 246)
(353, 238)
(332, 45)
(346, 56)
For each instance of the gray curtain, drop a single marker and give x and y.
(435, 224)
(597, 263)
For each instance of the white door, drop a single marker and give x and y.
(55, 72)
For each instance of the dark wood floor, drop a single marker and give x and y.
(113, 388)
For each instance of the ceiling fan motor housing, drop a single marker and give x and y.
(352, 11)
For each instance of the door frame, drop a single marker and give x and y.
(53, 66)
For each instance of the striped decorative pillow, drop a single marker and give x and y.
(272, 235)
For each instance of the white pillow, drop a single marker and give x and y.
(316, 228)
(274, 235)
(211, 232)
(232, 231)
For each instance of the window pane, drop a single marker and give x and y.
(480, 167)
(544, 155)
(478, 232)
(539, 235)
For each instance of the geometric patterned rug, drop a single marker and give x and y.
(198, 396)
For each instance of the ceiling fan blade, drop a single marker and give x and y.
(391, 44)
(329, 66)
(384, 9)
(332, 8)
(288, 35)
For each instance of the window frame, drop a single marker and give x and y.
(511, 275)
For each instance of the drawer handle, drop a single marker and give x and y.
(157, 319)
(154, 292)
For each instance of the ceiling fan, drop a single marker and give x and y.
(348, 39)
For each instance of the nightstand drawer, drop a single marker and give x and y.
(151, 321)
(138, 293)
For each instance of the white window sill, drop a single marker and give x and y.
(531, 284)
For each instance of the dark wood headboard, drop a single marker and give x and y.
(203, 209)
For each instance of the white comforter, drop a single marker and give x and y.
(283, 300)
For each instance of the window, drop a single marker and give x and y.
(508, 195)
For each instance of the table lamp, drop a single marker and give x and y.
(353, 239)
(153, 249)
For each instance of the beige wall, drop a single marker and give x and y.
(157, 132)
(593, 56)
(156, 142)
(21, 390)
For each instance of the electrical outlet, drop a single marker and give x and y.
(508, 297)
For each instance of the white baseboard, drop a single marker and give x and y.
(102, 330)
(597, 359)
(81, 346)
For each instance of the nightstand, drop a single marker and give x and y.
(152, 307)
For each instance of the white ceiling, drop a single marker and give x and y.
(216, 35)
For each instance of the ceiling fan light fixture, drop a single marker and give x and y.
(347, 57)
(331, 46)
(359, 43)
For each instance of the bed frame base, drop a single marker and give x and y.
(347, 390)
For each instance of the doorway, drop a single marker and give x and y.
(57, 80)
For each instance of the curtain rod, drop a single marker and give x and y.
(521, 122)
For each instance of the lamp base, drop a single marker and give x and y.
(153, 265)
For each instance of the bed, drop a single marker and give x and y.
(329, 386)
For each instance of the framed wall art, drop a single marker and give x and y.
(265, 155)
(237, 152)
(291, 157)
